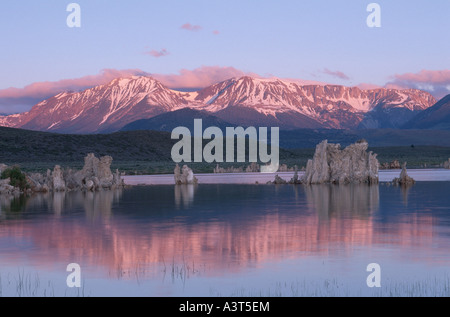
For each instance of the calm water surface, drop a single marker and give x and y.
(229, 240)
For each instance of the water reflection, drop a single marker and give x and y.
(329, 200)
(58, 202)
(229, 226)
(184, 195)
(10, 203)
(405, 193)
(96, 205)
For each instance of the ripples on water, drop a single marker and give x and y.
(222, 240)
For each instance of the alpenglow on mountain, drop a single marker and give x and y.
(245, 101)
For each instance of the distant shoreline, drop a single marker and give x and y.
(386, 176)
(149, 152)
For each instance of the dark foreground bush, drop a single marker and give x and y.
(17, 178)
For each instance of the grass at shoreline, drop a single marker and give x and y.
(31, 284)
(334, 287)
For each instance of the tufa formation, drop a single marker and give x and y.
(95, 175)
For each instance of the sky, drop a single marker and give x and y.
(195, 43)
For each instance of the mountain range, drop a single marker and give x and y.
(137, 101)
(436, 117)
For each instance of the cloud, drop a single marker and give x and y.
(200, 77)
(304, 82)
(13, 100)
(190, 27)
(337, 74)
(215, 32)
(436, 82)
(368, 86)
(157, 54)
(42, 89)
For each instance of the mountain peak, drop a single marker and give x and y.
(258, 80)
(108, 107)
(123, 81)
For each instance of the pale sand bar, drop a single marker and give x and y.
(251, 178)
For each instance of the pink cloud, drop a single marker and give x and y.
(13, 100)
(436, 82)
(337, 74)
(45, 88)
(190, 27)
(200, 77)
(21, 99)
(157, 54)
(368, 86)
(215, 32)
(305, 82)
(426, 76)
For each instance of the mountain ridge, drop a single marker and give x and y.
(108, 108)
(436, 117)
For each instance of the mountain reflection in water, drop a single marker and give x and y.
(223, 227)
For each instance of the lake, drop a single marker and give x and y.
(229, 240)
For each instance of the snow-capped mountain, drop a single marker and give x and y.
(103, 108)
(245, 101)
(330, 105)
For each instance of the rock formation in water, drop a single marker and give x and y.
(278, 181)
(59, 185)
(184, 176)
(447, 164)
(295, 179)
(350, 165)
(7, 189)
(6, 186)
(3, 167)
(95, 175)
(404, 179)
(38, 182)
(392, 165)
